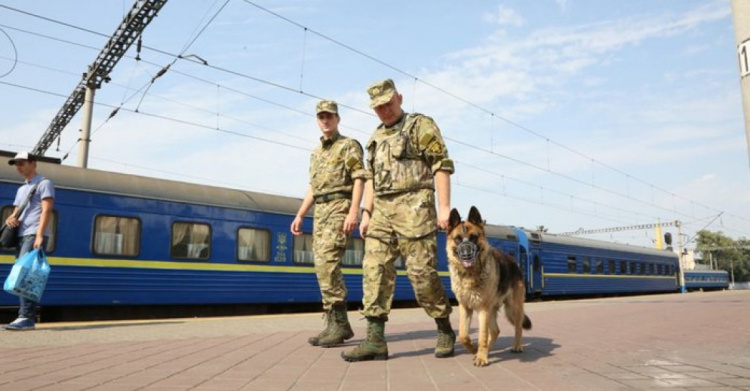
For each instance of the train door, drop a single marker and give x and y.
(536, 280)
(530, 261)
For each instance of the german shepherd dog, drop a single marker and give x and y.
(483, 279)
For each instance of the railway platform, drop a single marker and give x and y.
(692, 341)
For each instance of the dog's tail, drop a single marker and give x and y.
(526, 322)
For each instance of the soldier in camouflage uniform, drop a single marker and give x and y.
(407, 161)
(337, 177)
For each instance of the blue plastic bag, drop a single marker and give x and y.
(28, 277)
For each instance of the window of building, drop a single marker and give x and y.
(303, 249)
(191, 240)
(117, 235)
(253, 245)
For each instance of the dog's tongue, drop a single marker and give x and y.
(467, 263)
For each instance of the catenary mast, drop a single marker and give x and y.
(133, 24)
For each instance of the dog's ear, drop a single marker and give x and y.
(474, 216)
(454, 219)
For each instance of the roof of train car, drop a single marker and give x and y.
(500, 231)
(106, 182)
(598, 244)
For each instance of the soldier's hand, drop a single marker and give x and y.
(296, 226)
(443, 218)
(350, 223)
(363, 225)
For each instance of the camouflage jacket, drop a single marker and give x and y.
(406, 156)
(335, 164)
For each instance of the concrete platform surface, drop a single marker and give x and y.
(693, 341)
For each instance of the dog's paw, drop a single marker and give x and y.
(481, 361)
(517, 350)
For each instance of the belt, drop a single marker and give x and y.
(332, 196)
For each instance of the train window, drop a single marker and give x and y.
(571, 264)
(303, 249)
(611, 267)
(586, 265)
(355, 251)
(191, 240)
(117, 235)
(51, 240)
(253, 245)
(598, 266)
(624, 267)
(537, 264)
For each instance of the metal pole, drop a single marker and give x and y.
(682, 257)
(88, 110)
(741, 17)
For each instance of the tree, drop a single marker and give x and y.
(732, 256)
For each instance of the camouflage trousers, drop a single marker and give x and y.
(403, 225)
(329, 245)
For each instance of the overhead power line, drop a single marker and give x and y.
(444, 91)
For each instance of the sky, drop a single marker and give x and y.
(566, 114)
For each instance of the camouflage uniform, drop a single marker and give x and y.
(334, 165)
(402, 160)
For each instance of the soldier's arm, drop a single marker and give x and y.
(367, 206)
(307, 202)
(350, 223)
(443, 186)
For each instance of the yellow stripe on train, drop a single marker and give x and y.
(181, 265)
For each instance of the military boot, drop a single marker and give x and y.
(446, 338)
(315, 341)
(373, 347)
(340, 329)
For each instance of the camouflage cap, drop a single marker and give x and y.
(327, 106)
(381, 92)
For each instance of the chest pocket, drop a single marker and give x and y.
(397, 164)
(327, 171)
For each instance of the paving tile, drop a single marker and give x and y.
(639, 343)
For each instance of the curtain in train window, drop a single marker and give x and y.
(191, 240)
(303, 249)
(586, 265)
(253, 245)
(355, 251)
(572, 264)
(114, 235)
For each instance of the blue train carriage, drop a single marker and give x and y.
(571, 266)
(706, 280)
(122, 239)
